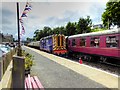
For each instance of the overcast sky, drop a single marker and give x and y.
(49, 13)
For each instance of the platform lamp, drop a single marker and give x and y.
(19, 51)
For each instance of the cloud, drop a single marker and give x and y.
(7, 12)
(57, 14)
(8, 18)
(49, 14)
(55, 21)
(6, 21)
(73, 11)
(96, 12)
(10, 29)
(58, 21)
(33, 17)
(55, 0)
(0, 23)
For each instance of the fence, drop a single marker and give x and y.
(12, 71)
(5, 61)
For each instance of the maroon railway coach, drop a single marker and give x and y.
(103, 44)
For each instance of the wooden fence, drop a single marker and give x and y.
(12, 71)
(5, 61)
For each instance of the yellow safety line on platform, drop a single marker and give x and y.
(99, 76)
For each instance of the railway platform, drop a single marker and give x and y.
(57, 72)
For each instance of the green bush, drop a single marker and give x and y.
(98, 29)
(28, 60)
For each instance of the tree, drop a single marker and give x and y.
(37, 31)
(84, 25)
(62, 30)
(36, 35)
(111, 16)
(42, 33)
(70, 28)
(46, 31)
(39, 35)
(56, 30)
(29, 39)
(59, 30)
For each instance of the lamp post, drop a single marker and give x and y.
(19, 53)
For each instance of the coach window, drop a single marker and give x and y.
(82, 42)
(95, 42)
(73, 42)
(42, 43)
(68, 42)
(112, 41)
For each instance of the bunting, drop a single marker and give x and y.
(28, 7)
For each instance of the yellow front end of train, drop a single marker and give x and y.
(59, 44)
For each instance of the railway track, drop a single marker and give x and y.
(105, 66)
(115, 65)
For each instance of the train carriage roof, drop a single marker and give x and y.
(51, 36)
(33, 42)
(105, 32)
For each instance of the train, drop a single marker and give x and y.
(35, 44)
(55, 44)
(100, 45)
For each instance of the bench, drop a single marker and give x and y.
(33, 83)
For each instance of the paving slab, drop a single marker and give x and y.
(54, 74)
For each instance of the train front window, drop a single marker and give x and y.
(112, 41)
(82, 42)
(95, 42)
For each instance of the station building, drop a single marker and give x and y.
(8, 38)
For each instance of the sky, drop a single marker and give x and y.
(49, 13)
